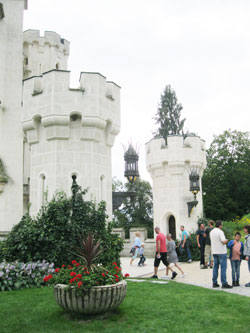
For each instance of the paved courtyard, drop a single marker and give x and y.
(194, 275)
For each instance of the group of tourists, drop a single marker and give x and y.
(213, 252)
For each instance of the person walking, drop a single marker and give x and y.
(161, 254)
(219, 252)
(236, 251)
(137, 245)
(141, 254)
(247, 248)
(172, 255)
(185, 243)
(201, 243)
(208, 254)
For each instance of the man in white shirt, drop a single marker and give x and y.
(219, 252)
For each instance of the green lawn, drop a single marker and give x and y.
(148, 307)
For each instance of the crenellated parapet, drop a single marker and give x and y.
(43, 53)
(179, 153)
(49, 101)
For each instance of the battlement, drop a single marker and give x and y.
(43, 53)
(50, 38)
(49, 99)
(178, 152)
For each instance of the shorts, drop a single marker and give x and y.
(207, 252)
(163, 258)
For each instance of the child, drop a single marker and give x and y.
(247, 248)
(172, 255)
(141, 254)
(236, 251)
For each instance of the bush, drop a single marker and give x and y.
(19, 275)
(195, 251)
(54, 234)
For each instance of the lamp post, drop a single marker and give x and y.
(131, 164)
(194, 188)
(131, 172)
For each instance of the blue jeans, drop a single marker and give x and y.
(220, 260)
(249, 265)
(235, 270)
(186, 247)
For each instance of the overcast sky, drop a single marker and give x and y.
(200, 48)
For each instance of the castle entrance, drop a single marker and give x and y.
(172, 226)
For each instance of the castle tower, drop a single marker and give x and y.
(41, 54)
(70, 132)
(11, 135)
(170, 166)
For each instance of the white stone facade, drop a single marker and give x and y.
(48, 131)
(169, 166)
(11, 135)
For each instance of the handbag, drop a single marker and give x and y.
(132, 250)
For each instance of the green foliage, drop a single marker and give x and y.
(195, 251)
(136, 211)
(168, 115)
(18, 275)
(55, 233)
(231, 227)
(226, 181)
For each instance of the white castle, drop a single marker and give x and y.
(170, 166)
(49, 132)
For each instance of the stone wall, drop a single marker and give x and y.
(149, 244)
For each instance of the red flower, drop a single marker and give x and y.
(79, 276)
(117, 280)
(50, 276)
(71, 281)
(87, 272)
(73, 262)
(79, 284)
(117, 268)
(103, 274)
(70, 267)
(114, 263)
(115, 275)
(63, 265)
(78, 264)
(72, 274)
(57, 270)
(45, 279)
(126, 275)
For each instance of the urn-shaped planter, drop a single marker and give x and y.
(98, 299)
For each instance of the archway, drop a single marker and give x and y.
(172, 226)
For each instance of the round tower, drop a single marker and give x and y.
(170, 166)
(43, 53)
(70, 132)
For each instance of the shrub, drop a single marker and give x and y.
(19, 275)
(54, 234)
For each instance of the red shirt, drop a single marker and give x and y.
(162, 238)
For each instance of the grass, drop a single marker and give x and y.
(148, 307)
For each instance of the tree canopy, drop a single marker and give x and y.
(136, 211)
(226, 181)
(168, 115)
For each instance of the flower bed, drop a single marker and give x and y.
(82, 277)
(17, 275)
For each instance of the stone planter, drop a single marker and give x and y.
(95, 300)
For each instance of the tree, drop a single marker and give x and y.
(136, 211)
(226, 181)
(168, 115)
